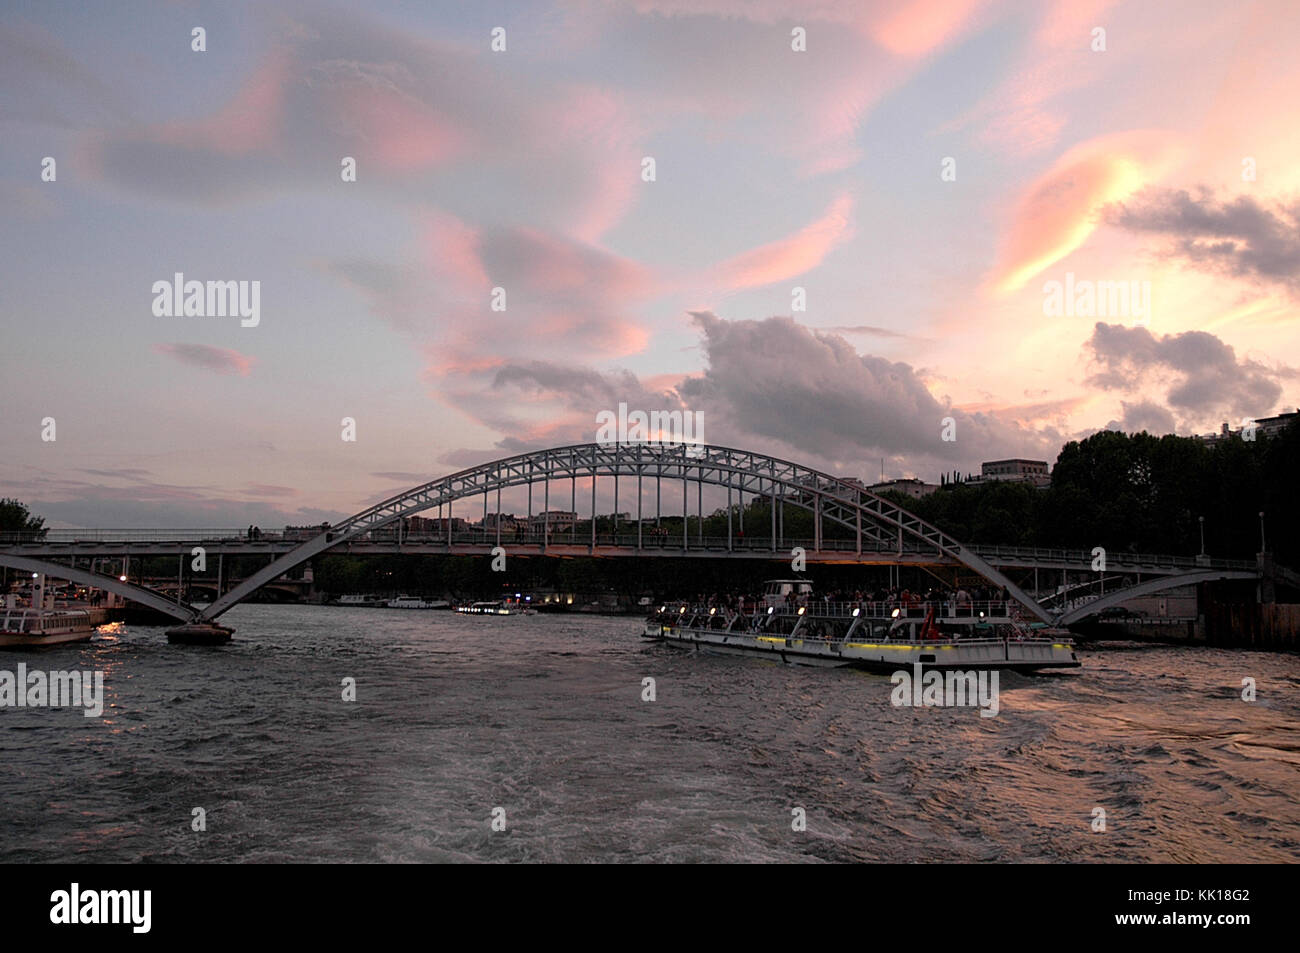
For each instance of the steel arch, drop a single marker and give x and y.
(148, 597)
(870, 517)
(1150, 586)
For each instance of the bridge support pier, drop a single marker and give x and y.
(200, 633)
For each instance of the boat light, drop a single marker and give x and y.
(981, 613)
(683, 612)
(801, 608)
(121, 578)
(771, 609)
(35, 574)
(857, 612)
(661, 608)
(713, 611)
(894, 614)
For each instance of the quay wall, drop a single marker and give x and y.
(1273, 625)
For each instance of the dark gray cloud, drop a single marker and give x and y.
(1203, 376)
(771, 385)
(868, 330)
(43, 83)
(776, 380)
(1239, 237)
(1144, 415)
(219, 359)
(144, 503)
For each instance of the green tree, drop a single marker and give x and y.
(16, 518)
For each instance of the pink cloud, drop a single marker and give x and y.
(455, 252)
(248, 123)
(921, 26)
(788, 257)
(218, 359)
(398, 132)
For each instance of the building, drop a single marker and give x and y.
(908, 486)
(1026, 471)
(423, 526)
(510, 524)
(558, 521)
(1265, 426)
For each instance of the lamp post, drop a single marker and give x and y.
(1262, 548)
(1202, 519)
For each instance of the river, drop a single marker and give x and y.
(541, 724)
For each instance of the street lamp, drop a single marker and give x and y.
(1202, 519)
(1262, 547)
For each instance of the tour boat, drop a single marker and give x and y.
(363, 600)
(501, 607)
(881, 636)
(414, 602)
(23, 628)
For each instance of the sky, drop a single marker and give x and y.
(836, 231)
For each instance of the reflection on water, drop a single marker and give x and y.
(543, 717)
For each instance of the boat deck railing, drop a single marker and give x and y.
(759, 621)
(35, 621)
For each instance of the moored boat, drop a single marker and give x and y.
(361, 600)
(414, 602)
(25, 628)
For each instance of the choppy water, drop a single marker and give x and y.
(543, 717)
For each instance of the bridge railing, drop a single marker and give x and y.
(130, 536)
(1113, 557)
(653, 538)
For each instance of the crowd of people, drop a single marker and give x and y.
(889, 597)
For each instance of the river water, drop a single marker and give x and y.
(543, 718)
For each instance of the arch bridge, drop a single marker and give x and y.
(866, 529)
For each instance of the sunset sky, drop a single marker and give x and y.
(1171, 156)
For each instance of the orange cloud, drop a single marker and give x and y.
(801, 252)
(1058, 212)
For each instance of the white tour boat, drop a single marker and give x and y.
(500, 607)
(881, 636)
(414, 602)
(362, 600)
(23, 628)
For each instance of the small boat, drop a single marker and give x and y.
(24, 628)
